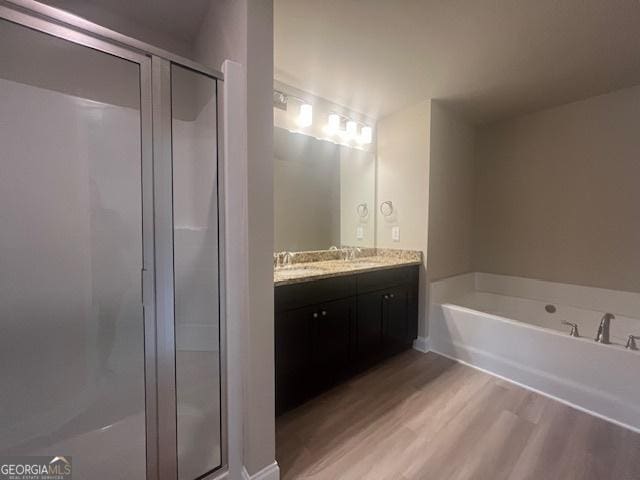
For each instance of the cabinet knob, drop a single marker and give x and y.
(386, 297)
(391, 296)
(324, 313)
(315, 314)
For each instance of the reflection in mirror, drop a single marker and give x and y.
(324, 194)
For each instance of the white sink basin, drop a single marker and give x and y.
(295, 271)
(364, 263)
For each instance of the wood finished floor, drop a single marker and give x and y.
(426, 417)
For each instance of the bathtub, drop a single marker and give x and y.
(500, 324)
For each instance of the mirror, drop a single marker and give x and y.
(324, 194)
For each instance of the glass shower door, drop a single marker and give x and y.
(72, 339)
(196, 272)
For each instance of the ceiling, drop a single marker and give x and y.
(486, 59)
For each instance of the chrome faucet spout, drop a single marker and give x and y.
(604, 329)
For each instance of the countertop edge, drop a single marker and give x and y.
(334, 274)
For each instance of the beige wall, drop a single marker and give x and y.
(403, 178)
(558, 194)
(451, 195)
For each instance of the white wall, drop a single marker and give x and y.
(451, 194)
(403, 178)
(558, 196)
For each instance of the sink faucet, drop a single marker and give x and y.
(631, 342)
(351, 253)
(282, 259)
(603, 330)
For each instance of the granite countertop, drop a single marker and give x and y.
(309, 266)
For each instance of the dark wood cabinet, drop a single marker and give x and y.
(395, 320)
(368, 331)
(292, 346)
(327, 330)
(330, 341)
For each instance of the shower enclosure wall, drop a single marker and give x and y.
(110, 310)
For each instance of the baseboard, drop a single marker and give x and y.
(540, 392)
(421, 344)
(270, 472)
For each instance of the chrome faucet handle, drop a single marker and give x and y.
(631, 342)
(574, 328)
(281, 258)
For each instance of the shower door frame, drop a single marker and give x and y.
(157, 272)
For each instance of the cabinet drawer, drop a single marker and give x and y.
(299, 295)
(383, 279)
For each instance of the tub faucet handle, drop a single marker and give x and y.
(574, 328)
(631, 342)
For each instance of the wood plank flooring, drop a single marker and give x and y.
(423, 416)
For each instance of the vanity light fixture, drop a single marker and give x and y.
(366, 135)
(352, 128)
(334, 123)
(305, 118)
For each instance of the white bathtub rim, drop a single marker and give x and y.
(626, 303)
(519, 323)
(535, 390)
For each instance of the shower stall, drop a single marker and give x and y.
(110, 248)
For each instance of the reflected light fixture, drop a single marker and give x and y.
(305, 118)
(366, 135)
(352, 128)
(334, 123)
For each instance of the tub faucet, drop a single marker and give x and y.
(574, 328)
(603, 330)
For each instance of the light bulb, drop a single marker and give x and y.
(352, 128)
(366, 135)
(305, 119)
(334, 123)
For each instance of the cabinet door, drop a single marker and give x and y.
(330, 342)
(396, 319)
(368, 332)
(292, 347)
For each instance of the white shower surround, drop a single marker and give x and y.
(499, 324)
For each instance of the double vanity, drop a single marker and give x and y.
(337, 317)
(341, 304)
